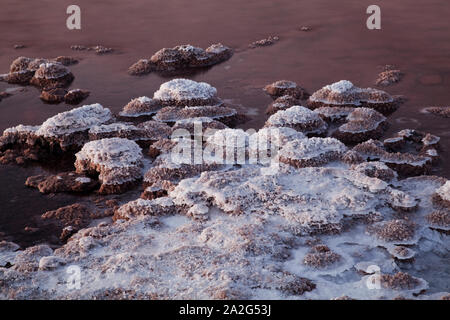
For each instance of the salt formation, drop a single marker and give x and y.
(345, 94)
(52, 75)
(185, 92)
(321, 256)
(181, 58)
(311, 152)
(139, 207)
(282, 103)
(439, 220)
(439, 111)
(264, 42)
(375, 169)
(405, 164)
(362, 124)
(75, 96)
(99, 49)
(394, 231)
(144, 133)
(53, 95)
(140, 107)
(65, 132)
(62, 182)
(117, 161)
(388, 77)
(285, 87)
(205, 125)
(442, 195)
(23, 69)
(300, 119)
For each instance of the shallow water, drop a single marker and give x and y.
(415, 38)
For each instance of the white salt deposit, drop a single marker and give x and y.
(444, 191)
(184, 89)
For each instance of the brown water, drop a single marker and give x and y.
(415, 37)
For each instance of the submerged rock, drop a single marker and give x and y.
(439, 111)
(264, 42)
(345, 94)
(54, 95)
(75, 96)
(116, 161)
(388, 77)
(181, 58)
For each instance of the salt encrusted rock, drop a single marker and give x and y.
(200, 126)
(180, 58)
(157, 190)
(414, 141)
(282, 103)
(439, 111)
(28, 260)
(52, 75)
(144, 133)
(285, 87)
(76, 96)
(362, 124)
(117, 161)
(198, 212)
(375, 169)
(185, 92)
(311, 152)
(226, 115)
(402, 201)
(320, 256)
(388, 77)
(8, 251)
(99, 49)
(345, 94)
(401, 281)
(405, 164)
(394, 231)
(248, 191)
(62, 182)
(50, 263)
(71, 127)
(402, 253)
(334, 114)
(141, 67)
(69, 219)
(439, 219)
(156, 207)
(300, 119)
(140, 107)
(264, 42)
(54, 95)
(442, 195)
(161, 146)
(22, 70)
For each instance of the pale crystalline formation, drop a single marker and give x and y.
(285, 87)
(64, 132)
(181, 58)
(199, 126)
(226, 115)
(311, 152)
(345, 94)
(185, 92)
(300, 119)
(117, 161)
(140, 107)
(268, 141)
(375, 169)
(362, 124)
(157, 207)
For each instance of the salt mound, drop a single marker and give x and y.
(285, 87)
(75, 120)
(180, 58)
(311, 152)
(185, 92)
(439, 219)
(117, 161)
(51, 75)
(334, 114)
(282, 103)
(142, 106)
(156, 207)
(345, 94)
(375, 169)
(363, 124)
(300, 119)
(199, 125)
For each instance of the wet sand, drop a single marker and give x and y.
(414, 38)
